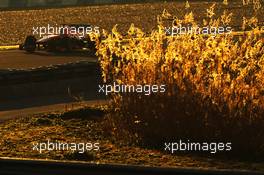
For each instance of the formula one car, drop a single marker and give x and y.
(69, 38)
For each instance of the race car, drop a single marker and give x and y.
(69, 38)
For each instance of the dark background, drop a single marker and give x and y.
(11, 4)
(56, 3)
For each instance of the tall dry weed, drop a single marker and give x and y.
(214, 84)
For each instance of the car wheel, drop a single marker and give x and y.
(30, 44)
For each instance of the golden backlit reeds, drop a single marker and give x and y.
(215, 83)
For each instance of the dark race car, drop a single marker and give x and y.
(70, 38)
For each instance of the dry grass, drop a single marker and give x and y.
(214, 85)
(15, 25)
(17, 136)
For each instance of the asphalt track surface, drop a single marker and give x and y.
(18, 59)
(13, 166)
(45, 167)
(46, 108)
